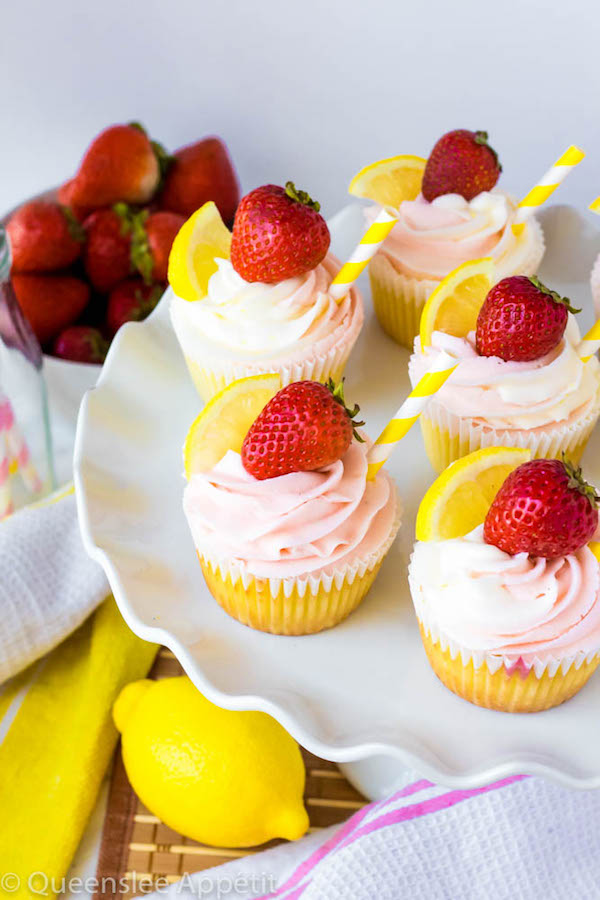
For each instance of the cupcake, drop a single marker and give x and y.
(509, 612)
(257, 300)
(456, 214)
(520, 381)
(289, 532)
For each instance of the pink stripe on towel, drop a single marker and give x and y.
(345, 830)
(349, 833)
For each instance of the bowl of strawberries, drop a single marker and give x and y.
(91, 255)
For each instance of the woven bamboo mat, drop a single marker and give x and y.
(137, 848)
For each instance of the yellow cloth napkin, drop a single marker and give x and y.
(58, 745)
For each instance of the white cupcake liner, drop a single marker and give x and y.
(398, 299)
(550, 664)
(458, 436)
(346, 573)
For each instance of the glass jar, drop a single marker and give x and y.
(26, 464)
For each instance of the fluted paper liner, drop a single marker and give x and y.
(210, 376)
(449, 437)
(295, 605)
(495, 680)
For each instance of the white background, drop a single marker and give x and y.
(304, 90)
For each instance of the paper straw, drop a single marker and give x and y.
(595, 206)
(546, 186)
(16, 456)
(409, 412)
(590, 343)
(364, 252)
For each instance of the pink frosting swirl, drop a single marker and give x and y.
(518, 607)
(507, 394)
(296, 524)
(431, 239)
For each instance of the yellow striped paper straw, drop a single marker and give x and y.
(590, 343)
(364, 252)
(546, 186)
(409, 412)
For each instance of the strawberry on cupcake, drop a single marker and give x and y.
(450, 210)
(520, 382)
(289, 532)
(257, 299)
(509, 607)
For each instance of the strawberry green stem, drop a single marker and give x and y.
(337, 392)
(578, 483)
(301, 196)
(481, 138)
(556, 297)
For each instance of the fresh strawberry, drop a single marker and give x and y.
(131, 301)
(50, 302)
(152, 240)
(521, 319)
(278, 233)
(197, 173)
(120, 165)
(544, 508)
(107, 253)
(462, 162)
(81, 343)
(65, 199)
(44, 237)
(304, 427)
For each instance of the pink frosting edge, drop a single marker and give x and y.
(565, 649)
(381, 530)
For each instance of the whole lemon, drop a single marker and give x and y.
(229, 779)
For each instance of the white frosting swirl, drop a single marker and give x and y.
(515, 606)
(241, 318)
(512, 394)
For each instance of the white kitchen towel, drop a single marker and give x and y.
(48, 585)
(517, 838)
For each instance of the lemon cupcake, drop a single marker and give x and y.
(520, 381)
(257, 300)
(449, 211)
(506, 588)
(289, 533)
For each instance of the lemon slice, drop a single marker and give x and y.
(225, 420)
(390, 181)
(458, 501)
(595, 548)
(454, 305)
(192, 259)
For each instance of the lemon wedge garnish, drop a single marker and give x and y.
(198, 243)
(459, 499)
(225, 420)
(454, 305)
(390, 181)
